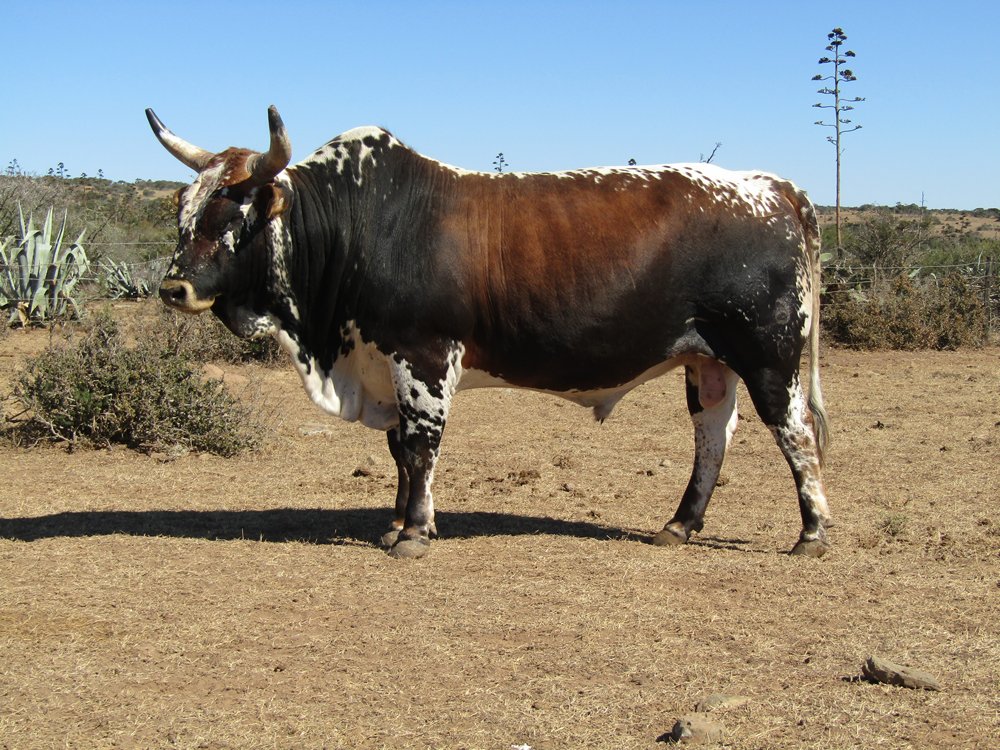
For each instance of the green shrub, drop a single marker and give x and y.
(102, 392)
(906, 315)
(120, 282)
(957, 314)
(894, 525)
(202, 338)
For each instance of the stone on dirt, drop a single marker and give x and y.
(695, 728)
(884, 671)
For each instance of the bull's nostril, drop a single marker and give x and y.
(175, 292)
(181, 295)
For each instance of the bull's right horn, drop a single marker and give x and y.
(192, 156)
(265, 167)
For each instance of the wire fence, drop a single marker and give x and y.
(147, 270)
(846, 282)
(840, 281)
(160, 243)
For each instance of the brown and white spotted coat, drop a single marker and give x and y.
(394, 280)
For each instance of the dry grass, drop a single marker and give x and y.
(240, 603)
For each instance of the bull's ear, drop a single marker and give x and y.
(279, 200)
(175, 199)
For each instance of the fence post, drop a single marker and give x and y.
(988, 297)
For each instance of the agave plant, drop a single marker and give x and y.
(38, 274)
(121, 283)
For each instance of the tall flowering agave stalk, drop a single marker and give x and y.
(39, 274)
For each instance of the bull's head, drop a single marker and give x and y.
(220, 219)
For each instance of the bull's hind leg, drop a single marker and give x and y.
(782, 406)
(711, 400)
(424, 389)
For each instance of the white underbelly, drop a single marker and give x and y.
(601, 400)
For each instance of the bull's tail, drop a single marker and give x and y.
(812, 246)
(810, 226)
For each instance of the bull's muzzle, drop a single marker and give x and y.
(181, 295)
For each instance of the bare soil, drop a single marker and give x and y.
(198, 602)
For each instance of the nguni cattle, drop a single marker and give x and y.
(394, 280)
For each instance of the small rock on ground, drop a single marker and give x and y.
(694, 728)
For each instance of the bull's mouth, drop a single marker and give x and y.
(238, 318)
(181, 295)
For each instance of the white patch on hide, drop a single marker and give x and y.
(357, 388)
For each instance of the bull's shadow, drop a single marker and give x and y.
(315, 526)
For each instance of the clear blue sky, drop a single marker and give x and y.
(553, 85)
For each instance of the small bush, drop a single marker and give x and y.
(957, 314)
(894, 525)
(906, 315)
(99, 391)
(202, 338)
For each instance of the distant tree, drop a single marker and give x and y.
(841, 75)
(711, 156)
(499, 164)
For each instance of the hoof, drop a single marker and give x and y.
(390, 537)
(410, 549)
(669, 538)
(810, 548)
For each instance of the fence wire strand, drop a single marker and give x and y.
(852, 284)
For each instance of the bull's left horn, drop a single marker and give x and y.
(265, 167)
(192, 156)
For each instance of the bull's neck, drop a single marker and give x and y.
(316, 247)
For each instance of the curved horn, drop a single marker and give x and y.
(192, 156)
(264, 167)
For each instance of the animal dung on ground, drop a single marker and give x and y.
(884, 671)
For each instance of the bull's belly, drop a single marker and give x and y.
(601, 400)
(360, 388)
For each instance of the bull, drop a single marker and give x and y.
(394, 281)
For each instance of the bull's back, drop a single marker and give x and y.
(594, 278)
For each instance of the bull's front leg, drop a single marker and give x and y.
(402, 488)
(425, 385)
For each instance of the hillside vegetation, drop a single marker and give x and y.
(130, 221)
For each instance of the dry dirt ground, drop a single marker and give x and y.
(199, 602)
